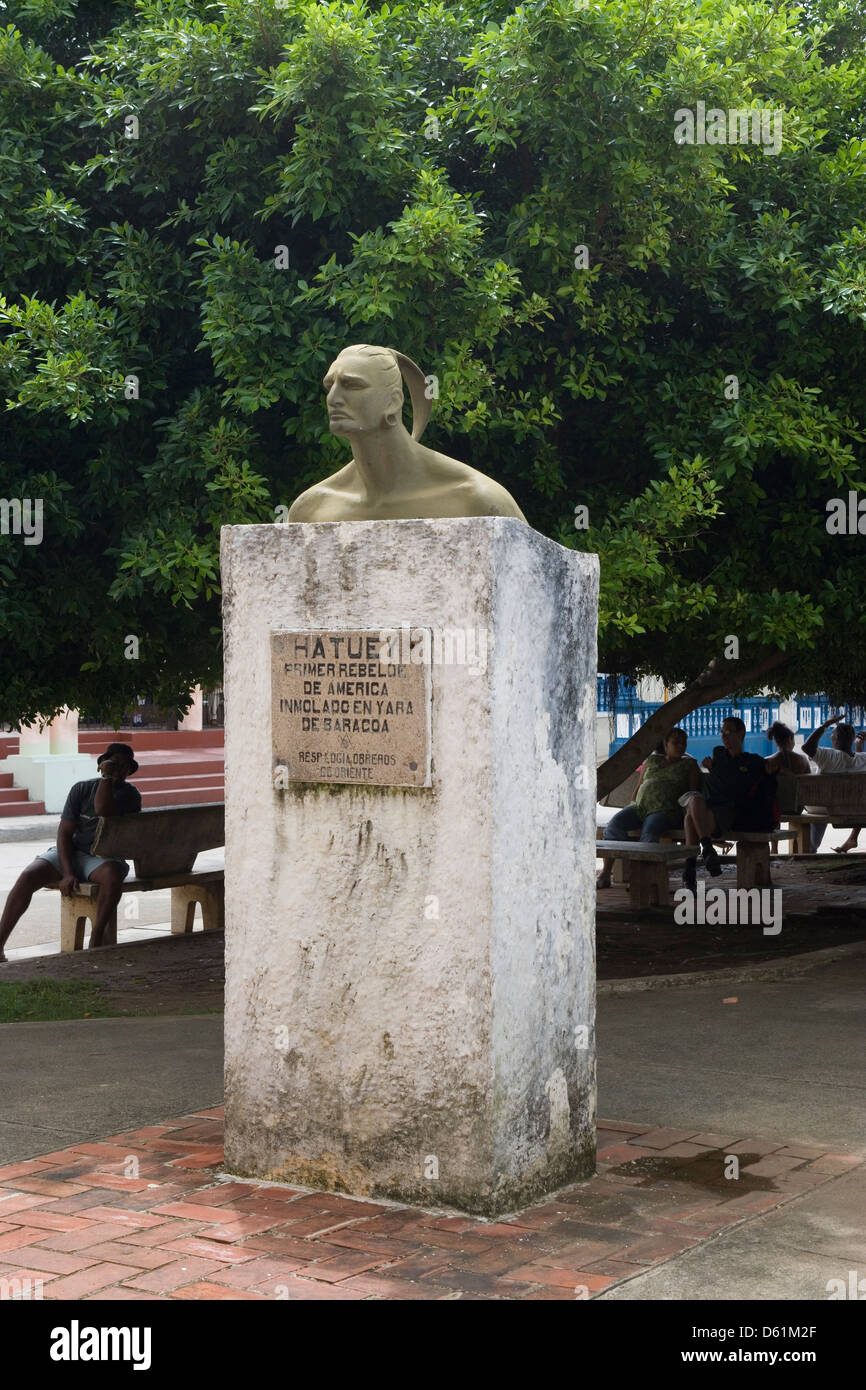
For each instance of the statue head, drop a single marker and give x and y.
(364, 388)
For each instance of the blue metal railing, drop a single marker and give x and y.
(626, 693)
(703, 725)
(812, 710)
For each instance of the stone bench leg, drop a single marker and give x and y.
(209, 896)
(648, 886)
(753, 865)
(75, 912)
(620, 871)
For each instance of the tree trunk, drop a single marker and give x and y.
(720, 678)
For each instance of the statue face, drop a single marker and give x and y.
(357, 397)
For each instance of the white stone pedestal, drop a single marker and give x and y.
(63, 734)
(193, 719)
(48, 762)
(34, 741)
(49, 778)
(410, 972)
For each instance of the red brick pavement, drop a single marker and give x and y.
(145, 1215)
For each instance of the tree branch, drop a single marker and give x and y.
(719, 678)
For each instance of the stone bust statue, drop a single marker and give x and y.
(391, 476)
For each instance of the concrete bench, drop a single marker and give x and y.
(648, 866)
(830, 798)
(163, 846)
(753, 851)
(753, 854)
(801, 824)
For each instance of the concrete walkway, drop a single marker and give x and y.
(791, 1253)
(786, 1063)
(787, 1060)
(39, 829)
(79, 1080)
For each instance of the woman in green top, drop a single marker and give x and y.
(664, 777)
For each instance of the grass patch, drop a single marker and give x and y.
(36, 1001)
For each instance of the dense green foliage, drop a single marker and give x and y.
(430, 171)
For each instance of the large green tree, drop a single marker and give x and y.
(694, 379)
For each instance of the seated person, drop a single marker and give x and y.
(71, 860)
(854, 837)
(664, 777)
(787, 765)
(843, 756)
(737, 795)
(785, 759)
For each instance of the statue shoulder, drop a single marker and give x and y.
(492, 499)
(480, 494)
(313, 504)
(306, 507)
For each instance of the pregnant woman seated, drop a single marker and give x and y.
(665, 776)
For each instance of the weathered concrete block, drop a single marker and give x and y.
(410, 972)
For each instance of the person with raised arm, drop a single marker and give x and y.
(843, 756)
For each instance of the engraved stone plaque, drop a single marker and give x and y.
(348, 706)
